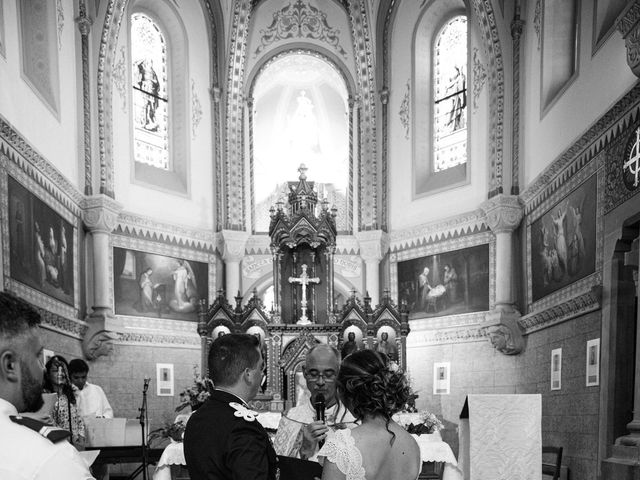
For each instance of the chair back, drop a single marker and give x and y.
(552, 468)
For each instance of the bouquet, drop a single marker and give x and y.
(429, 423)
(195, 395)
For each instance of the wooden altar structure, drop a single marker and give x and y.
(303, 242)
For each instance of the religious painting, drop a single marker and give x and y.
(441, 378)
(164, 379)
(563, 241)
(593, 363)
(447, 283)
(41, 245)
(556, 369)
(151, 285)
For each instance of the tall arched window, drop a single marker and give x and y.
(450, 95)
(150, 101)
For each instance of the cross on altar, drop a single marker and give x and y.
(304, 280)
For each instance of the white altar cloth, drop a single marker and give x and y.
(433, 449)
(173, 454)
(501, 437)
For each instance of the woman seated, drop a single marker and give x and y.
(373, 389)
(65, 411)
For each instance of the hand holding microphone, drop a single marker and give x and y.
(147, 380)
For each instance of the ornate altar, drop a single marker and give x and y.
(303, 240)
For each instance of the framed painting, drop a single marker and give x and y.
(556, 369)
(441, 378)
(164, 379)
(41, 245)
(153, 285)
(447, 283)
(563, 241)
(593, 363)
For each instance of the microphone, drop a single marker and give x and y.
(319, 406)
(146, 384)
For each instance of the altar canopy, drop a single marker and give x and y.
(500, 437)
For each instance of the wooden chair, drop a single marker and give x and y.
(552, 468)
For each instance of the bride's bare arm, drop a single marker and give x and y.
(331, 472)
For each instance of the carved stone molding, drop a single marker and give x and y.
(100, 213)
(405, 111)
(629, 27)
(561, 312)
(466, 334)
(503, 331)
(479, 77)
(503, 212)
(232, 245)
(374, 244)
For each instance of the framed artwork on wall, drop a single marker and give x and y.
(447, 283)
(593, 363)
(152, 285)
(41, 245)
(441, 378)
(563, 241)
(556, 369)
(164, 379)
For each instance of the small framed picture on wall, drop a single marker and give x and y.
(164, 379)
(593, 363)
(441, 378)
(556, 369)
(46, 355)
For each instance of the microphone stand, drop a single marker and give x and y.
(144, 420)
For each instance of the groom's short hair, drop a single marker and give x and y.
(230, 355)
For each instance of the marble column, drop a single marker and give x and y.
(503, 215)
(373, 247)
(629, 26)
(232, 244)
(100, 215)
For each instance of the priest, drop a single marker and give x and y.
(304, 427)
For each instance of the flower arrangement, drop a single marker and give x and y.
(195, 395)
(174, 431)
(429, 423)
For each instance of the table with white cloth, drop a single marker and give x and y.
(173, 454)
(433, 449)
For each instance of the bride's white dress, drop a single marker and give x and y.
(340, 448)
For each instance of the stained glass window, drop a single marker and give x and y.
(150, 102)
(450, 95)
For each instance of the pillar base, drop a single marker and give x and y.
(503, 330)
(622, 463)
(98, 339)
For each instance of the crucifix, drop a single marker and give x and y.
(304, 280)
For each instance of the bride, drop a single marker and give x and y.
(373, 389)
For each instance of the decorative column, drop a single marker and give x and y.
(232, 244)
(629, 27)
(373, 247)
(84, 25)
(100, 215)
(503, 214)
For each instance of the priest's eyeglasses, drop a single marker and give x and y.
(328, 376)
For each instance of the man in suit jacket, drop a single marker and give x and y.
(223, 438)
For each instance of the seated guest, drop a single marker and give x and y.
(92, 402)
(223, 439)
(373, 389)
(299, 433)
(65, 413)
(28, 448)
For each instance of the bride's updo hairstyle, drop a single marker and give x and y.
(371, 385)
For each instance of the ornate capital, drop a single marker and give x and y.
(503, 332)
(629, 27)
(503, 213)
(232, 244)
(216, 92)
(384, 95)
(374, 244)
(99, 337)
(100, 213)
(84, 25)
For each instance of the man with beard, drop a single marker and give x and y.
(300, 433)
(28, 448)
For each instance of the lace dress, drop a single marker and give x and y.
(340, 448)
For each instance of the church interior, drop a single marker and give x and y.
(452, 181)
